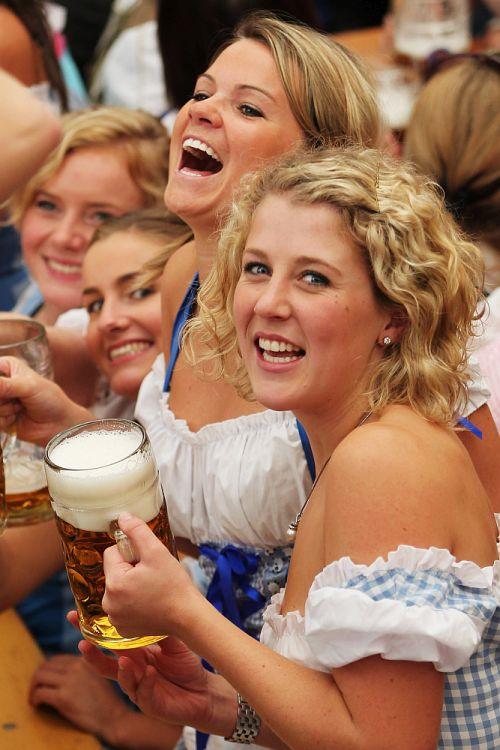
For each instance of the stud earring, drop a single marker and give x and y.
(387, 341)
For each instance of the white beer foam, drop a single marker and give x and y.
(92, 489)
(23, 474)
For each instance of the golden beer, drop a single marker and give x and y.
(83, 556)
(26, 492)
(95, 471)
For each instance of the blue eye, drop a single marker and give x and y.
(315, 279)
(94, 306)
(142, 293)
(250, 111)
(45, 205)
(102, 215)
(255, 268)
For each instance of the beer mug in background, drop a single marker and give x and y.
(26, 492)
(423, 26)
(95, 471)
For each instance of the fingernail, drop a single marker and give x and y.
(125, 516)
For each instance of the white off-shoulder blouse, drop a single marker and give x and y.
(417, 605)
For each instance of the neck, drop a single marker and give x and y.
(205, 243)
(327, 430)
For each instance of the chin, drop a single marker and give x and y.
(277, 401)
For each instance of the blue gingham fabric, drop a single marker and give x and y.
(417, 605)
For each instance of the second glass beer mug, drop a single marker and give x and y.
(26, 492)
(95, 471)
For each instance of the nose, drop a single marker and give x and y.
(206, 112)
(274, 300)
(72, 234)
(112, 317)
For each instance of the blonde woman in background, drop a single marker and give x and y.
(110, 161)
(454, 137)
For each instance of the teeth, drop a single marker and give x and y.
(271, 345)
(63, 267)
(280, 360)
(133, 348)
(200, 146)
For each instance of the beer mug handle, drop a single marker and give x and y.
(124, 545)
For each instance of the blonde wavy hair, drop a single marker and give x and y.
(143, 139)
(329, 89)
(419, 262)
(160, 225)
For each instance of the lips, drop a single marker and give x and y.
(64, 268)
(199, 158)
(128, 349)
(278, 350)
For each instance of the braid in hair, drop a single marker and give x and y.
(32, 16)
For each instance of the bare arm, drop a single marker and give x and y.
(28, 556)
(28, 132)
(485, 453)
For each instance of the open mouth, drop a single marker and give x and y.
(199, 158)
(278, 352)
(130, 349)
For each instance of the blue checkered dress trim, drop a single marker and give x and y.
(471, 710)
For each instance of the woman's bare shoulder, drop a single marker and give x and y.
(393, 482)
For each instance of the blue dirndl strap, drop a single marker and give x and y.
(306, 446)
(233, 568)
(471, 427)
(185, 311)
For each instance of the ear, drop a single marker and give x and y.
(394, 329)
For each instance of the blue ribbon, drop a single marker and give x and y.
(471, 427)
(233, 568)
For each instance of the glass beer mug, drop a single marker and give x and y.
(26, 492)
(95, 471)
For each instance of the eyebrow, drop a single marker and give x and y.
(301, 260)
(242, 87)
(120, 281)
(42, 191)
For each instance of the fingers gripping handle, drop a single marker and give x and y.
(123, 543)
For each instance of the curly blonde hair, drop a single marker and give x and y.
(419, 262)
(142, 137)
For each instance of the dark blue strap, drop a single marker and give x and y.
(306, 445)
(471, 427)
(233, 568)
(185, 311)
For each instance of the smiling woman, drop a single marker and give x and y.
(110, 162)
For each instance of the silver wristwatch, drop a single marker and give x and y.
(247, 724)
